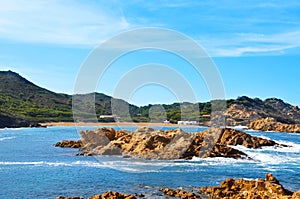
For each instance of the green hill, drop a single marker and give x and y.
(21, 98)
(24, 101)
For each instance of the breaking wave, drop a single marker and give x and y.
(6, 138)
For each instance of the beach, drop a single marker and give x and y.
(108, 124)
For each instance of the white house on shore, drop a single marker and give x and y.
(188, 122)
(109, 117)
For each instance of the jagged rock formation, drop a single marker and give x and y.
(105, 195)
(170, 144)
(235, 137)
(229, 189)
(69, 144)
(261, 188)
(179, 193)
(244, 110)
(271, 124)
(296, 195)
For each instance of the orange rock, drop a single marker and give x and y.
(235, 189)
(170, 144)
(180, 193)
(270, 124)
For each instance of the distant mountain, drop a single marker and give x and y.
(21, 98)
(244, 110)
(25, 101)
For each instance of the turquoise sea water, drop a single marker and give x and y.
(31, 167)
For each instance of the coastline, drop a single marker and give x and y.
(65, 165)
(111, 124)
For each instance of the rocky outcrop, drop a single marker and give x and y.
(170, 144)
(271, 124)
(234, 138)
(261, 188)
(230, 188)
(239, 114)
(179, 193)
(69, 144)
(8, 121)
(244, 110)
(296, 195)
(62, 197)
(105, 195)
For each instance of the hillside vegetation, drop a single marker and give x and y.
(22, 99)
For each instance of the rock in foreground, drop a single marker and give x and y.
(170, 144)
(270, 124)
(261, 188)
(268, 188)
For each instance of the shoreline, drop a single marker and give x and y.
(113, 124)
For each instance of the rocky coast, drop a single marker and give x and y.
(170, 144)
(8, 121)
(271, 124)
(268, 188)
(176, 144)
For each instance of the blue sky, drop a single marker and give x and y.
(254, 44)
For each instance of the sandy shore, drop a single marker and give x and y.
(106, 124)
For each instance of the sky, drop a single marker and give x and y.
(255, 45)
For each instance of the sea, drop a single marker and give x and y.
(31, 167)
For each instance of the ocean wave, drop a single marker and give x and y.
(125, 166)
(136, 166)
(220, 161)
(7, 138)
(273, 154)
(266, 156)
(239, 127)
(21, 163)
(15, 129)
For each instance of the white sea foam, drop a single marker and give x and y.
(7, 138)
(294, 147)
(21, 163)
(125, 165)
(219, 161)
(252, 130)
(263, 137)
(267, 156)
(15, 129)
(239, 127)
(274, 155)
(134, 166)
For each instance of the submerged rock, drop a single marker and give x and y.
(271, 124)
(105, 195)
(69, 144)
(179, 193)
(236, 189)
(170, 144)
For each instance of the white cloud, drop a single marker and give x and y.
(243, 44)
(71, 22)
(58, 22)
